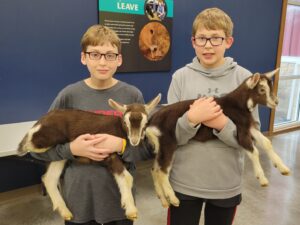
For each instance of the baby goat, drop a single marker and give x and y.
(61, 126)
(237, 105)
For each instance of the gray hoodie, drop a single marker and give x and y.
(211, 170)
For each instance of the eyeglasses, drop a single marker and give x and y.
(98, 56)
(214, 41)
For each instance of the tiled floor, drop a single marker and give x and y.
(278, 204)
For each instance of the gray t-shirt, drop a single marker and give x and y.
(89, 190)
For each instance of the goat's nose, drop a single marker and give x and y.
(134, 141)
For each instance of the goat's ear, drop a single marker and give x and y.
(253, 80)
(269, 75)
(153, 103)
(117, 106)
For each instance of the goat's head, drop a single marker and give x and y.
(262, 90)
(135, 118)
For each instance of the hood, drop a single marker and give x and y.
(223, 70)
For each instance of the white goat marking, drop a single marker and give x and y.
(264, 143)
(143, 124)
(50, 180)
(163, 187)
(135, 134)
(125, 181)
(270, 100)
(250, 83)
(259, 173)
(250, 104)
(153, 134)
(163, 179)
(157, 185)
(29, 145)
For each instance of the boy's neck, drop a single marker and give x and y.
(100, 84)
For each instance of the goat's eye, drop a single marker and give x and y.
(261, 91)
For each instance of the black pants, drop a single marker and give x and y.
(216, 212)
(120, 222)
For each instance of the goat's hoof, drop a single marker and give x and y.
(264, 183)
(132, 215)
(165, 205)
(164, 202)
(285, 171)
(174, 201)
(67, 216)
(64, 212)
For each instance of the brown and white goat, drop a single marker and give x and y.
(62, 126)
(237, 105)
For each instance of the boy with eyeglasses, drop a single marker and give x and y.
(89, 190)
(207, 173)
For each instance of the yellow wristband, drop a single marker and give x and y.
(124, 143)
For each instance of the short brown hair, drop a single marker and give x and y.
(100, 35)
(213, 19)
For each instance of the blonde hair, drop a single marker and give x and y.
(100, 35)
(213, 19)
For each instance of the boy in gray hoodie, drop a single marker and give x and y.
(209, 172)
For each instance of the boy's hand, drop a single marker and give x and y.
(109, 142)
(217, 123)
(95, 147)
(203, 109)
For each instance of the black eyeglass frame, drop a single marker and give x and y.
(208, 39)
(103, 54)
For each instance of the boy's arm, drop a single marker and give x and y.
(85, 146)
(228, 134)
(202, 109)
(184, 130)
(59, 152)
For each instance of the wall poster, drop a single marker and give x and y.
(145, 29)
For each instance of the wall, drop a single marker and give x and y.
(40, 54)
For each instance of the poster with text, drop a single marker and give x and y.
(145, 28)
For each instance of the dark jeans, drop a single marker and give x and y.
(120, 222)
(216, 212)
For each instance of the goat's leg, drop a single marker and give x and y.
(158, 188)
(163, 162)
(153, 135)
(259, 173)
(164, 165)
(265, 144)
(163, 180)
(51, 180)
(124, 181)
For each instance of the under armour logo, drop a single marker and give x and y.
(210, 90)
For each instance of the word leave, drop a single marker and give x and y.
(127, 6)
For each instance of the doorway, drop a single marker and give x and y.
(287, 113)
